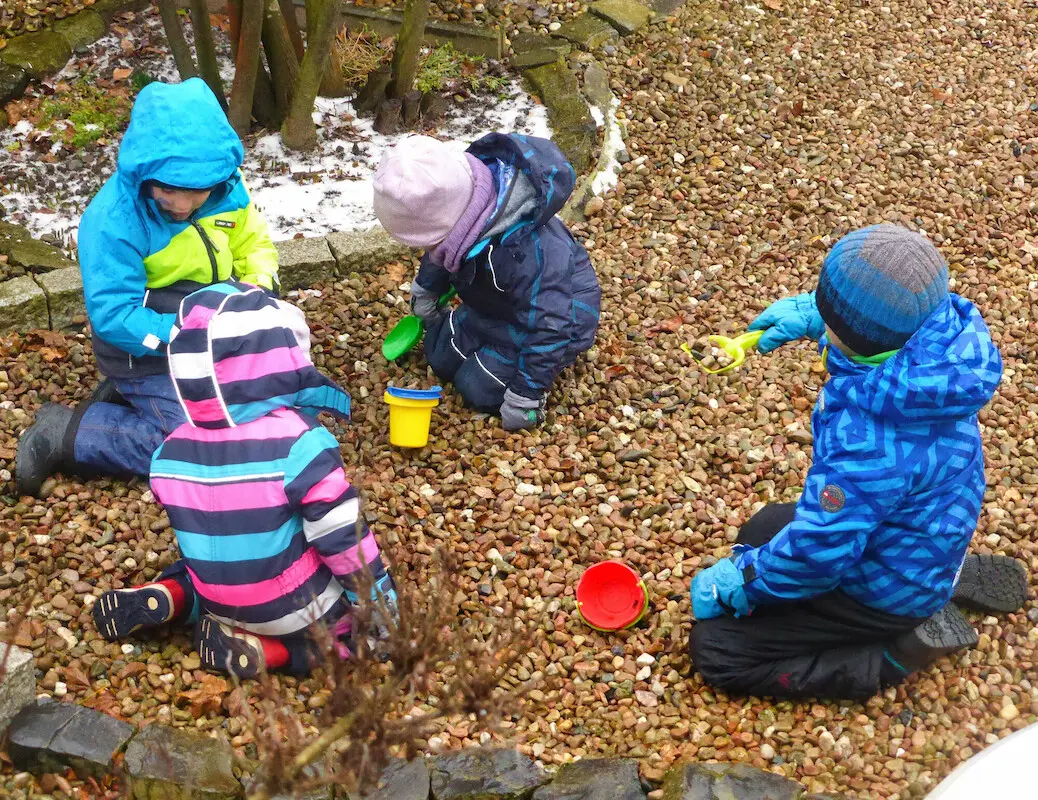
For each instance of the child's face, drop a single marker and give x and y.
(179, 204)
(834, 339)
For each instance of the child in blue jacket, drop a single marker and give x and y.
(530, 297)
(848, 590)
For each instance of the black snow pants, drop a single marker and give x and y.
(830, 646)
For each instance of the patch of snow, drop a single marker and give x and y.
(612, 146)
(299, 193)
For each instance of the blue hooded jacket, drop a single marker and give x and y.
(528, 286)
(893, 496)
(137, 263)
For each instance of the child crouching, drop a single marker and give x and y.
(270, 530)
(530, 297)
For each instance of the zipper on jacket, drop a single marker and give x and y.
(210, 248)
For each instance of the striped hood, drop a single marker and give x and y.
(235, 356)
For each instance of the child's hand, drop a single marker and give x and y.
(788, 319)
(425, 304)
(718, 590)
(519, 413)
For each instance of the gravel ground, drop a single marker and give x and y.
(794, 126)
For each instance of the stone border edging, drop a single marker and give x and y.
(543, 63)
(45, 736)
(50, 295)
(39, 54)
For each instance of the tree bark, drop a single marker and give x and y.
(281, 56)
(288, 11)
(246, 66)
(387, 118)
(264, 107)
(205, 49)
(408, 43)
(412, 106)
(333, 84)
(234, 16)
(177, 42)
(298, 132)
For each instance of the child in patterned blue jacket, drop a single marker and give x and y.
(849, 589)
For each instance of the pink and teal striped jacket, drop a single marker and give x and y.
(269, 526)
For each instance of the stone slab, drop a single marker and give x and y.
(13, 81)
(17, 682)
(480, 774)
(52, 737)
(40, 54)
(480, 40)
(172, 764)
(37, 256)
(304, 262)
(587, 31)
(82, 29)
(595, 779)
(112, 8)
(627, 16)
(365, 250)
(574, 129)
(551, 52)
(402, 780)
(64, 290)
(664, 8)
(23, 306)
(695, 781)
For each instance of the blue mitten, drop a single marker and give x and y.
(788, 319)
(718, 590)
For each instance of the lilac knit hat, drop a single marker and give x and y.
(422, 188)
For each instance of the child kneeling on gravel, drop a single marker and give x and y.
(849, 590)
(530, 297)
(271, 532)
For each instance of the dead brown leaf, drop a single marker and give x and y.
(207, 698)
(774, 5)
(121, 73)
(616, 371)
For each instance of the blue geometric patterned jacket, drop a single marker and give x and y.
(893, 496)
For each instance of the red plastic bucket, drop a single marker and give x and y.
(611, 596)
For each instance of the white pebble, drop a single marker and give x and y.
(130, 563)
(527, 489)
(436, 744)
(60, 689)
(644, 673)
(657, 689)
(645, 660)
(580, 522)
(68, 637)
(484, 738)
(127, 649)
(605, 509)
(554, 26)
(679, 158)
(147, 497)
(41, 538)
(767, 752)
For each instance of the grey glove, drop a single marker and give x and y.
(424, 303)
(518, 412)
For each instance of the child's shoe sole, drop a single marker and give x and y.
(946, 632)
(117, 614)
(226, 649)
(991, 583)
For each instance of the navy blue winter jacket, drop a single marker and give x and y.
(529, 286)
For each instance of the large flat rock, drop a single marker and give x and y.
(13, 81)
(23, 306)
(587, 31)
(574, 129)
(40, 54)
(402, 780)
(595, 779)
(52, 737)
(694, 781)
(627, 16)
(365, 250)
(171, 764)
(82, 29)
(304, 262)
(480, 774)
(64, 290)
(17, 682)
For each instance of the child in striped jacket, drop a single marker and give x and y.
(270, 530)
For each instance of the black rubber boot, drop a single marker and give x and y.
(946, 632)
(992, 583)
(40, 448)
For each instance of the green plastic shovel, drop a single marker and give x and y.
(409, 331)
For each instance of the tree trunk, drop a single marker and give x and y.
(408, 43)
(175, 37)
(412, 107)
(288, 11)
(264, 107)
(333, 84)
(281, 56)
(234, 17)
(246, 66)
(373, 92)
(298, 132)
(387, 118)
(205, 49)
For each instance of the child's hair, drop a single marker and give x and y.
(878, 285)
